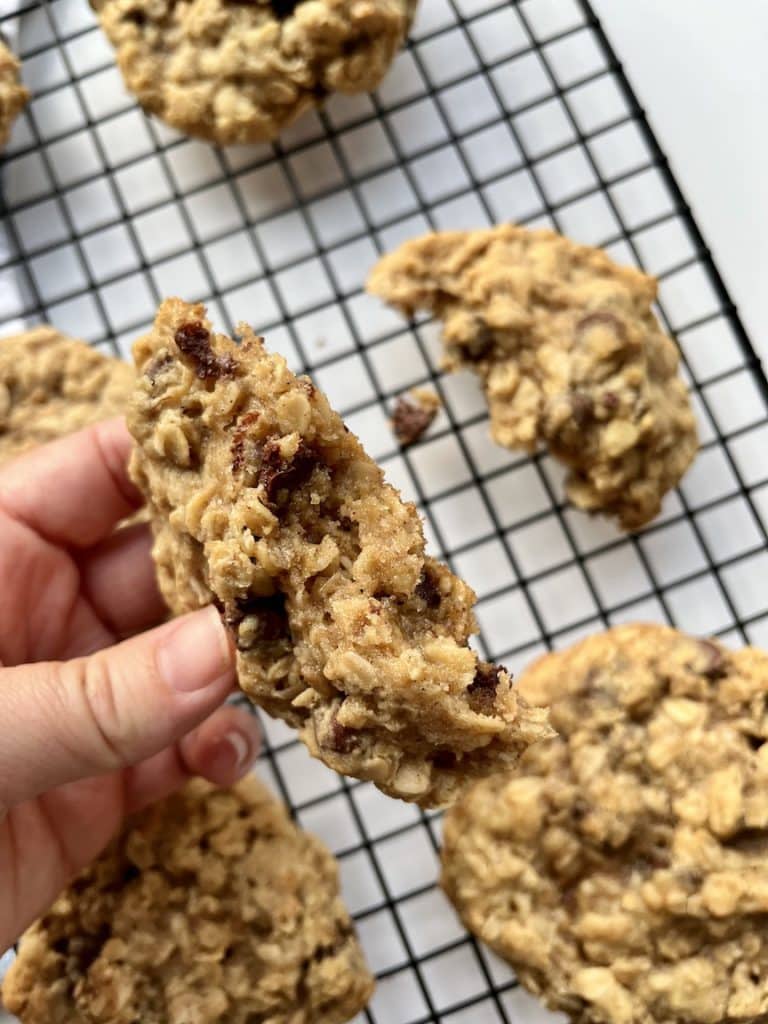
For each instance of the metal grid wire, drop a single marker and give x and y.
(495, 111)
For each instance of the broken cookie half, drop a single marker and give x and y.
(265, 504)
(569, 351)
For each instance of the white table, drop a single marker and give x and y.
(698, 67)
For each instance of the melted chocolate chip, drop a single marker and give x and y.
(283, 9)
(269, 612)
(343, 740)
(276, 473)
(410, 420)
(715, 667)
(130, 873)
(428, 590)
(194, 341)
(482, 690)
(582, 408)
(444, 760)
(480, 344)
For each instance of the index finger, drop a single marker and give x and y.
(75, 490)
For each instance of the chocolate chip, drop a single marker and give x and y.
(194, 341)
(601, 318)
(239, 439)
(715, 667)
(482, 690)
(755, 742)
(410, 419)
(136, 18)
(444, 760)
(610, 400)
(277, 473)
(582, 408)
(269, 612)
(130, 873)
(343, 740)
(283, 9)
(480, 344)
(427, 589)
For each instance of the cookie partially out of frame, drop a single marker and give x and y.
(263, 502)
(242, 70)
(623, 870)
(569, 351)
(51, 386)
(211, 908)
(13, 95)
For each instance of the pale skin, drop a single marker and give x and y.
(94, 726)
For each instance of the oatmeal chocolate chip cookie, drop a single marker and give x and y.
(623, 870)
(51, 385)
(568, 350)
(211, 907)
(13, 95)
(263, 502)
(242, 70)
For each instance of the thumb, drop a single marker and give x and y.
(62, 721)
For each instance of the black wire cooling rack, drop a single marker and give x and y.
(495, 111)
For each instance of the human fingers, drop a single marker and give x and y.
(221, 750)
(75, 490)
(118, 580)
(63, 721)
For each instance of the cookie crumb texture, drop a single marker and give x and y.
(212, 907)
(623, 871)
(413, 414)
(569, 352)
(13, 95)
(263, 502)
(242, 70)
(51, 386)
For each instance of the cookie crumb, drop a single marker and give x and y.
(413, 414)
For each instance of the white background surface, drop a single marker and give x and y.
(699, 68)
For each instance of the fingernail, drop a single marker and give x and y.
(196, 653)
(231, 756)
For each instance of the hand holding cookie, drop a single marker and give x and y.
(95, 726)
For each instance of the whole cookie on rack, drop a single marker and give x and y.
(52, 385)
(623, 870)
(13, 95)
(569, 352)
(211, 908)
(263, 502)
(242, 70)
